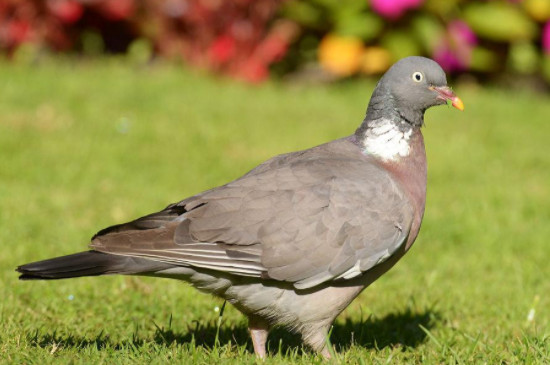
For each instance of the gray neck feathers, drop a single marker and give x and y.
(383, 105)
(386, 131)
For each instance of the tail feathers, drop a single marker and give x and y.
(89, 263)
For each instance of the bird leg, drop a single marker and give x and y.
(317, 339)
(259, 329)
(326, 353)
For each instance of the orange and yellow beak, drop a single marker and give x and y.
(445, 93)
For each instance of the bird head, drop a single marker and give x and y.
(411, 86)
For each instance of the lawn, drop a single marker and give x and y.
(86, 145)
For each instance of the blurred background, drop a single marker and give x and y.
(112, 109)
(320, 39)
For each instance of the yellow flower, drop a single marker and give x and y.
(340, 55)
(538, 9)
(375, 60)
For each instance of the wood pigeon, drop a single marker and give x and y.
(295, 240)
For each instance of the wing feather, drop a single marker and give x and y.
(301, 218)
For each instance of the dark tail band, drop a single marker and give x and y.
(90, 263)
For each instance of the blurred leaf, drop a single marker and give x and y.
(523, 58)
(26, 53)
(308, 48)
(304, 13)
(499, 21)
(429, 31)
(140, 51)
(352, 5)
(92, 43)
(546, 67)
(400, 44)
(483, 60)
(441, 8)
(358, 24)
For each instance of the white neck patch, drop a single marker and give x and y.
(386, 140)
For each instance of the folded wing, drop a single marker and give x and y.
(302, 220)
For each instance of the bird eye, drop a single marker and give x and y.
(417, 76)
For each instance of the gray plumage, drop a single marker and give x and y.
(299, 218)
(296, 239)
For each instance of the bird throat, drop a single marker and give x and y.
(386, 139)
(386, 130)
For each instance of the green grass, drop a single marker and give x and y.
(83, 146)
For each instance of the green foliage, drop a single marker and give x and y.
(253, 39)
(524, 57)
(483, 60)
(88, 145)
(425, 27)
(400, 44)
(461, 36)
(360, 24)
(546, 67)
(499, 21)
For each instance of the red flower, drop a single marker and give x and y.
(118, 9)
(272, 49)
(68, 11)
(222, 49)
(17, 32)
(253, 71)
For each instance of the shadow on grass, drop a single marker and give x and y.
(403, 329)
(394, 330)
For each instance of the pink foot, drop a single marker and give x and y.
(259, 330)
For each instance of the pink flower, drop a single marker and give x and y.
(455, 49)
(462, 33)
(411, 4)
(546, 38)
(393, 9)
(447, 59)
